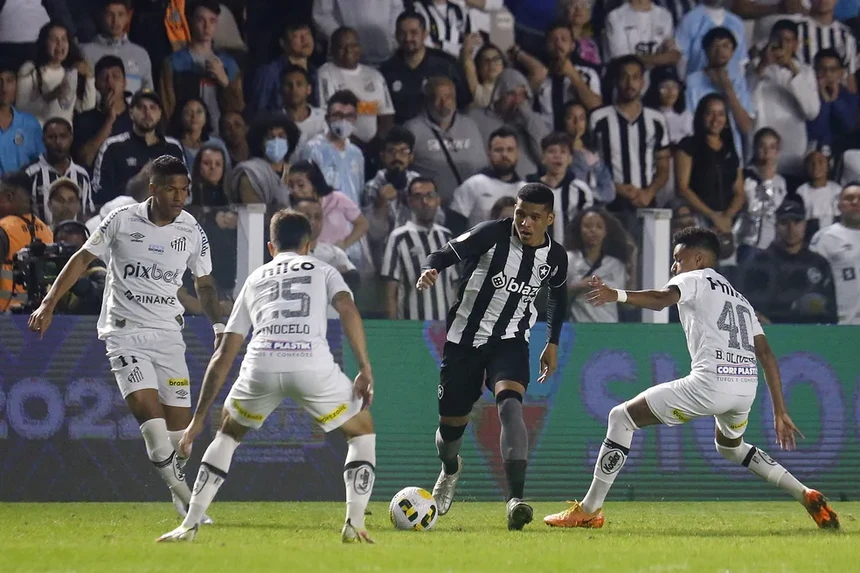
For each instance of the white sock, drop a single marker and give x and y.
(175, 436)
(163, 456)
(762, 465)
(212, 473)
(611, 458)
(359, 474)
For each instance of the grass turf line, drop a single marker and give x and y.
(717, 537)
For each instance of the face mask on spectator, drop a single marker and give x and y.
(341, 128)
(276, 149)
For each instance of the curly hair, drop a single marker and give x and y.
(615, 244)
(260, 128)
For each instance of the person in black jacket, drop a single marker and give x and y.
(788, 283)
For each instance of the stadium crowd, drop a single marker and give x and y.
(395, 124)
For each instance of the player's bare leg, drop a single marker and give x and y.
(212, 473)
(359, 474)
(449, 438)
(624, 420)
(514, 447)
(761, 464)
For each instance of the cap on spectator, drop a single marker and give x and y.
(63, 182)
(146, 94)
(791, 209)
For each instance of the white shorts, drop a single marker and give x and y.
(679, 401)
(327, 395)
(151, 360)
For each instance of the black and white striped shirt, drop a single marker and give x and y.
(630, 147)
(556, 91)
(407, 248)
(447, 25)
(501, 279)
(42, 174)
(813, 37)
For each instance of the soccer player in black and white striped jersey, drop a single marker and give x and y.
(407, 248)
(821, 30)
(506, 263)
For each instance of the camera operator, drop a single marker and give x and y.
(86, 296)
(19, 228)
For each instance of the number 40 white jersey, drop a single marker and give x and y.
(285, 302)
(720, 325)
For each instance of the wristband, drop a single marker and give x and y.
(218, 328)
(622, 295)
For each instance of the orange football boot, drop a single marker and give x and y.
(817, 506)
(575, 516)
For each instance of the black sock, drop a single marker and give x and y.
(448, 442)
(515, 470)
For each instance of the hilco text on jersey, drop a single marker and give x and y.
(153, 273)
(725, 288)
(286, 267)
(284, 329)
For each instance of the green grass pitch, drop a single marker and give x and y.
(712, 537)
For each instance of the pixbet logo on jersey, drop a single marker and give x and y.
(152, 273)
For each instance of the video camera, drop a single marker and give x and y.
(36, 267)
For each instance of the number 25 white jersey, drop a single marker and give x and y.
(285, 302)
(720, 325)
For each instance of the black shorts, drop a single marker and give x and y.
(466, 369)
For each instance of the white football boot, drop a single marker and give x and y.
(443, 491)
(352, 534)
(179, 534)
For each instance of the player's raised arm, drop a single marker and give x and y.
(472, 243)
(354, 329)
(651, 299)
(785, 428)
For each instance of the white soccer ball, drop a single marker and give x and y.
(413, 508)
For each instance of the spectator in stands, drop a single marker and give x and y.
(510, 107)
(20, 132)
(571, 194)
(786, 282)
(209, 176)
(640, 166)
(448, 24)
(56, 163)
(840, 245)
(343, 224)
(297, 44)
(785, 95)
(85, 297)
(719, 75)
(296, 90)
(20, 22)
(405, 254)
(64, 202)
(476, 196)
(136, 191)
(449, 147)
(666, 93)
(410, 68)
(765, 190)
(691, 31)
(820, 195)
(234, 132)
(58, 82)
(597, 245)
(838, 115)
(482, 69)
(531, 18)
(340, 160)
(111, 116)
(587, 164)
(326, 252)
(820, 30)
(113, 41)
(503, 208)
(565, 81)
(122, 156)
(344, 72)
(374, 20)
(644, 29)
(707, 168)
(199, 70)
(683, 216)
(263, 177)
(578, 16)
(191, 124)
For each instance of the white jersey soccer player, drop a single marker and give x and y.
(725, 341)
(284, 303)
(149, 246)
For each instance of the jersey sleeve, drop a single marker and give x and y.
(757, 330)
(558, 270)
(102, 238)
(687, 284)
(341, 261)
(391, 268)
(200, 261)
(334, 284)
(240, 317)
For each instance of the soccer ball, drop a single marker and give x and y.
(413, 508)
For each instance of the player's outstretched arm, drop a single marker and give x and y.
(556, 306)
(473, 243)
(785, 428)
(651, 299)
(354, 329)
(41, 318)
(207, 294)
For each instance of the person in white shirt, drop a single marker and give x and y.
(296, 89)
(725, 341)
(644, 29)
(283, 303)
(343, 72)
(474, 199)
(375, 21)
(840, 245)
(820, 195)
(785, 95)
(150, 245)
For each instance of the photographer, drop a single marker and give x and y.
(86, 296)
(19, 228)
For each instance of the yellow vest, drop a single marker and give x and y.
(18, 232)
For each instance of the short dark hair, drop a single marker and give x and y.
(343, 97)
(289, 229)
(107, 62)
(853, 183)
(296, 25)
(410, 15)
(698, 238)
(338, 35)
(557, 25)
(193, 5)
(502, 203)
(825, 53)
(557, 138)
(292, 69)
(399, 134)
(503, 131)
(17, 179)
(175, 127)
(167, 166)
(7, 65)
(718, 33)
(619, 64)
(537, 193)
(56, 121)
(262, 125)
(784, 24)
(125, 3)
(417, 180)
